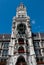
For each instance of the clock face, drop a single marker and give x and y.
(21, 28)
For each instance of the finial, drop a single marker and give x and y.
(21, 4)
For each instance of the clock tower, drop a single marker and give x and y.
(21, 49)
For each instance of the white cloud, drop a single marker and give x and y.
(33, 21)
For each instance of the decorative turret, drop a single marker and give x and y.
(21, 11)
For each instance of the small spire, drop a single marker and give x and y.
(21, 4)
(21, 7)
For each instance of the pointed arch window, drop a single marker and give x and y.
(21, 28)
(21, 61)
(21, 49)
(21, 41)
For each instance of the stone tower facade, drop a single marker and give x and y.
(21, 49)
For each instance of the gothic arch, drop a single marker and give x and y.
(21, 41)
(21, 28)
(21, 49)
(21, 61)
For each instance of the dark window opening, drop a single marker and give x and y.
(21, 41)
(37, 52)
(36, 44)
(6, 45)
(3, 62)
(21, 61)
(21, 50)
(37, 59)
(5, 53)
(21, 28)
(27, 42)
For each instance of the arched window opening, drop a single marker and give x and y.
(21, 49)
(21, 28)
(21, 61)
(21, 41)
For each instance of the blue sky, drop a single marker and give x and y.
(35, 9)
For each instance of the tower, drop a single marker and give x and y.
(21, 49)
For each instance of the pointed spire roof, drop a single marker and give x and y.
(21, 10)
(21, 7)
